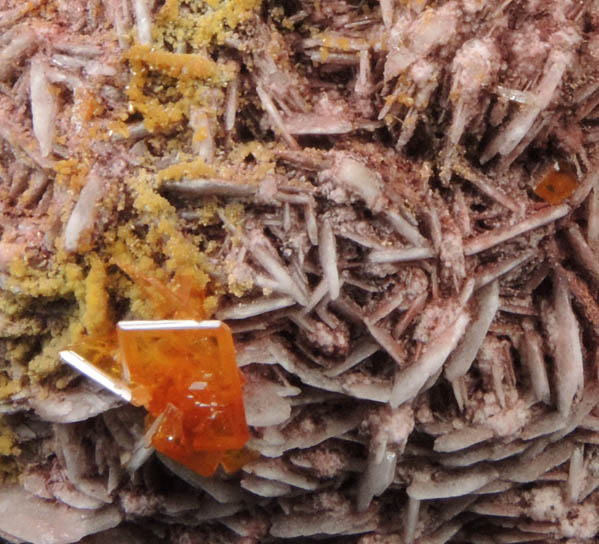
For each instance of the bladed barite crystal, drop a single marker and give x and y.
(184, 373)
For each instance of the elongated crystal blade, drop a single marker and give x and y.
(115, 385)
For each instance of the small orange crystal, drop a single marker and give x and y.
(185, 372)
(557, 184)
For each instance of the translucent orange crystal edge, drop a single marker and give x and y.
(107, 353)
(175, 435)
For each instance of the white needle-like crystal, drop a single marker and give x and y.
(117, 386)
(168, 324)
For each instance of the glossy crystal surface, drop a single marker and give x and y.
(557, 184)
(185, 373)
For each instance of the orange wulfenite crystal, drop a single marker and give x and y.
(185, 372)
(557, 184)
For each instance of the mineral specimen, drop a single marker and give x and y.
(366, 192)
(185, 373)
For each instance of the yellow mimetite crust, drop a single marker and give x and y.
(202, 22)
(199, 25)
(7, 449)
(178, 65)
(7, 439)
(196, 168)
(193, 73)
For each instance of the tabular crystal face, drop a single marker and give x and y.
(185, 373)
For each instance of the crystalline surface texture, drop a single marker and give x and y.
(185, 373)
